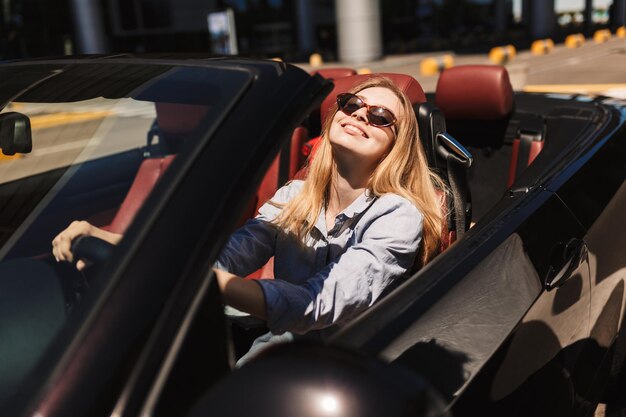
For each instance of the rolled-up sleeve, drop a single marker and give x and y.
(355, 280)
(254, 243)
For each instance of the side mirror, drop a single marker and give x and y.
(15, 133)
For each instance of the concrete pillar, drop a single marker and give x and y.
(359, 34)
(500, 16)
(587, 16)
(526, 11)
(542, 19)
(306, 26)
(88, 26)
(619, 13)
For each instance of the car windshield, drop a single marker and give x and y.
(84, 142)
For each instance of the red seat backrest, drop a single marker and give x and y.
(475, 92)
(334, 73)
(150, 171)
(177, 123)
(477, 101)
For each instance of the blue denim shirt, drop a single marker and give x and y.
(336, 274)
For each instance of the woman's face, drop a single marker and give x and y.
(352, 135)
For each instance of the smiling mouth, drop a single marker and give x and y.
(354, 130)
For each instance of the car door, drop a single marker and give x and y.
(540, 368)
(596, 194)
(498, 336)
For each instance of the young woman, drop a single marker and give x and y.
(366, 215)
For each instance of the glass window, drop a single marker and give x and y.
(101, 136)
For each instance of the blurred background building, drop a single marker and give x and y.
(346, 30)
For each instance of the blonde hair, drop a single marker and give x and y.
(403, 171)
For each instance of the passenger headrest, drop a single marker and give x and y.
(333, 73)
(477, 102)
(475, 92)
(180, 118)
(178, 123)
(406, 83)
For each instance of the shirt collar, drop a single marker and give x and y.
(358, 206)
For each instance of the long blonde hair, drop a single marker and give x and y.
(403, 171)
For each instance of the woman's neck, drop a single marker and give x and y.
(347, 186)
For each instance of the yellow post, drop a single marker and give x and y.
(621, 32)
(502, 54)
(575, 40)
(601, 36)
(434, 65)
(7, 158)
(542, 46)
(315, 60)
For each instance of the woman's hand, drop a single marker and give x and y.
(62, 243)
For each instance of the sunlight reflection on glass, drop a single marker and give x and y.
(329, 404)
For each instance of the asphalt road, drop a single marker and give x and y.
(592, 68)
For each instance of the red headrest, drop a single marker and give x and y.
(180, 118)
(406, 83)
(333, 73)
(475, 92)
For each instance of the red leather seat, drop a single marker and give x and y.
(334, 73)
(475, 92)
(150, 171)
(477, 102)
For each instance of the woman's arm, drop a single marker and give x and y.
(245, 295)
(354, 281)
(62, 243)
(253, 244)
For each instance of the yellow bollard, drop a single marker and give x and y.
(8, 158)
(315, 60)
(433, 66)
(502, 54)
(363, 71)
(575, 40)
(621, 32)
(601, 36)
(542, 46)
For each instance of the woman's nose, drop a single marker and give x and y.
(360, 114)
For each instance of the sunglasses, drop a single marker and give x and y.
(376, 115)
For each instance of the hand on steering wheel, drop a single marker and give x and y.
(84, 244)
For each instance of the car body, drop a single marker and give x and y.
(520, 315)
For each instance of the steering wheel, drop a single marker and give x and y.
(92, 250)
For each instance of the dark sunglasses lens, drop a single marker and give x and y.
(349, 103)
(379, 116)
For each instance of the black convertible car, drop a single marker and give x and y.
(522, 312)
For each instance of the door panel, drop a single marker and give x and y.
(535, 370)
(606, 240)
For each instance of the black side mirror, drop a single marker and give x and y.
(15, 133)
